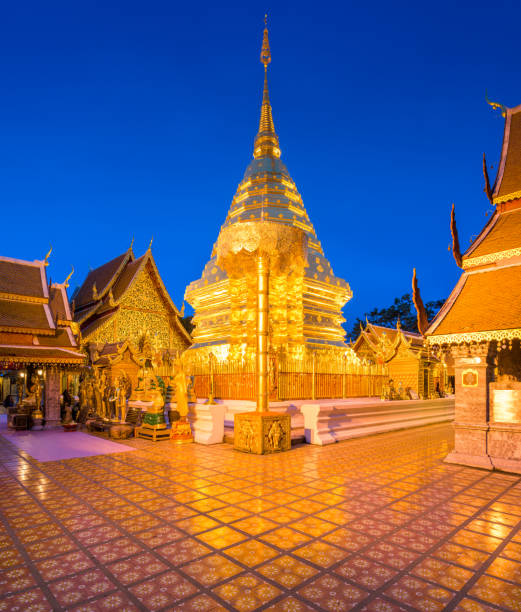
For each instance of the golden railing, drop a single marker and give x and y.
(309, 377)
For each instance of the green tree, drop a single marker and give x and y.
(401, 309)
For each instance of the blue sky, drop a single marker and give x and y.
(123, 119)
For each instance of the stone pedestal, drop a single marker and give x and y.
(504, 435)
(207, 422)
(52, 398)
(261, 433)
(473, 372)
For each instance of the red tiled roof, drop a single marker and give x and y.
(24, 315)
(509, 175)
(504, 234)
(21, 278)
(102, 277)
(486, 301)
(57, 303)
(61, 339)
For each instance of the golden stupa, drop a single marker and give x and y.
(305, 297)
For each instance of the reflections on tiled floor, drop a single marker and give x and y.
(376, 524)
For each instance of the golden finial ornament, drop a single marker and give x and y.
(131, 244)
(265, 56)
(150, 245)
(66, 281)
(497, 106)
(46, 258)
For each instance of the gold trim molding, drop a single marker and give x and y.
(506, 198)
(470, 337)
(16, 297)
(491, 258)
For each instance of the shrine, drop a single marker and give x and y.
(38, 347)
(413, 369)
(121, 301)
(480, 323)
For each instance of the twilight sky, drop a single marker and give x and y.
(124, 118)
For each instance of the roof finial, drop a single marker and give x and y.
(131, 244)
(265, 56)
(266, 142)
(66, 281)
(46, 259)
(497, 105)
(150, 245)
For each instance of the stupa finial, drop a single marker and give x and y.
(266, 142)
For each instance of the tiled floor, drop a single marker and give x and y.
(373, 524)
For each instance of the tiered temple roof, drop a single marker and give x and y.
(36, 325)
(384, 342)
(267, 192)
(125, 297)
(486, 302)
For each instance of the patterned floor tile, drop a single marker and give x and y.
(64, 565)
(252, 553)
(199, 603)
(471, 605)
(183, 551)
(392, 555)
(136, 568)
(255, 525)
(419, 594)
(221, 537)
(498, 592)
(348, 539)
(442, 573)
(332, 594)
(115, 549)
(28, 601)
(365, 572)
(165, 590)
(69, 591)
(321, 554)
(246, 593)
(287, 571)
(382, 605)
(159, 535)
(212, 569)
(313, 526)
(196, 524)
(285, 538)
(51, 547)
(15, 580)
(115, 602)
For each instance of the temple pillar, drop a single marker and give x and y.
(52, 397)
(473, 372)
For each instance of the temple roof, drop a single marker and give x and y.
(40, 354)
(486, 300)
(385, 341)
(102, 278)
(508, 181)
(24, 278)
(117, 278)
(35, 319)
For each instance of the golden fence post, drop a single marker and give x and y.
(313, 377)
(344, 363)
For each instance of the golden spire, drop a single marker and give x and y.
(266, 142)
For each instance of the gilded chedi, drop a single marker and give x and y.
(306, 298)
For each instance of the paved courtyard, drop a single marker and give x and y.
(372, 524)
